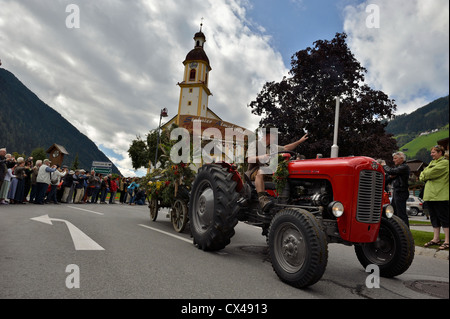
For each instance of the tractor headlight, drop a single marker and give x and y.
(388, 210)
(336, 208)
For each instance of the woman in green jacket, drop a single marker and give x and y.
(436, 194)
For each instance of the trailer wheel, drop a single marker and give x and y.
(179, 215)
(154, 207)
(393, 251)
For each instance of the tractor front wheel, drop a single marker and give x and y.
(298, 247)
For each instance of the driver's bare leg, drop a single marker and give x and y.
(259, 182)
(264, 200)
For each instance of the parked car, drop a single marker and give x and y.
(414, 206)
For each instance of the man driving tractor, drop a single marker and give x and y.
(258, 164)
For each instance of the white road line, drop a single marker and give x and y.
(169, 234)
(86, 210)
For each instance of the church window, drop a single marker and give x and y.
(192, 75)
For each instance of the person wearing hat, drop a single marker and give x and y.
(43, 180)
(259, 163)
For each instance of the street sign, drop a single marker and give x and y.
(103, 171)
(104, 168)
(102, 164)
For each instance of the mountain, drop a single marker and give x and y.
(407, 127)
(27, 123)
(419, 148)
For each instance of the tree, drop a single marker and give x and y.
(305, 102)
(38, 154)
(17, 155)
(142, 152)
(139, 153)
(75, 163)
(424, 155)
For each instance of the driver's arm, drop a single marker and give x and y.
(294, 145)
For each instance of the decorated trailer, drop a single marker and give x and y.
(169, 188)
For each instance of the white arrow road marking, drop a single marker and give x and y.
(81, 241)
(169, 234)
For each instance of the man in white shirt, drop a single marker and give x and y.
(43, 180)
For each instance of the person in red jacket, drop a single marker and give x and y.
(113, 190)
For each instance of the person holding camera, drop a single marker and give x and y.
(399, 176)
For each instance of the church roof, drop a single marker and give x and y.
(200, 35)
(197, 54)
(60, 148)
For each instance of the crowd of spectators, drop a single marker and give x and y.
(23, 181)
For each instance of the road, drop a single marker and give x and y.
(115, 251)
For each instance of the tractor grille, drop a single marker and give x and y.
(370, 196)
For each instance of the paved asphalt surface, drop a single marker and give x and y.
(138, 258)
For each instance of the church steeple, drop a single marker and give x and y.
(194, 88)
(199, 37)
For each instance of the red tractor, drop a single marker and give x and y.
(334, 200)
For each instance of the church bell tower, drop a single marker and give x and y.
(194, 91)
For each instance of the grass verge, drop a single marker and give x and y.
(423, 237)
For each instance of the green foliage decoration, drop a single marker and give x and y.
(281, 174)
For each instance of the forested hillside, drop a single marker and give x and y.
(432, 116)
(27, 123)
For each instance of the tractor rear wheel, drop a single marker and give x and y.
(213, 208)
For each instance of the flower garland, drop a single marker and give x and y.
(168, 181)
(281, 174)
(157, 188)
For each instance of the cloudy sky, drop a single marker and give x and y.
(112, 75)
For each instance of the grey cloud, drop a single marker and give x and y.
(112, 76)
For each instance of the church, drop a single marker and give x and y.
(195, 93)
